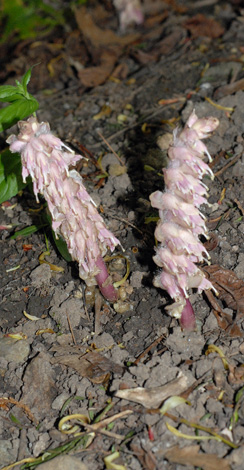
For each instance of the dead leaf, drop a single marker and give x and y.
(200, 25)
(164, 47)
(236, 374)
(121, 71)
(153, 397)
(94, 76)
(146, 458)
(225, 321)
(229, 286)
(97, 36)
(212, 242)
(92, 365)
(229, 89)
(190, 456)
(155, 19)
(104, 46)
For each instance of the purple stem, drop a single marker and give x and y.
(187, 320)
(104, 282)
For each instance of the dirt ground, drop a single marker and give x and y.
(80, 355)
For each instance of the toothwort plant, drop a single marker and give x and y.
(181, 221)
(74, 215)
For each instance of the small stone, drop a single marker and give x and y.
(41, 444)
(6, 452)
(39, 385)
(41, 275)
(117, 170)
(60, 400)
(14, 350)
(136, 279)
(63, 462)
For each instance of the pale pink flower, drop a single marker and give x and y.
(130, 12)
(181, 222)
(74, 215)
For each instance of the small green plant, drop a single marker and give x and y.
(27, 19)
(20, 105)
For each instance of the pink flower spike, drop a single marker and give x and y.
(74, 215)
(180, 221)
(187, 319)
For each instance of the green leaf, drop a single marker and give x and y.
(10, 175)
(62, 247)
(25, 80)
(17, 111)
(25, 232)
(7, 92)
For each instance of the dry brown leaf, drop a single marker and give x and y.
(229, 286)
(146, 458)
(224, 320)
(153, 397)
(236, 374)
(200, 25)
(104, 46)
(229, 89)
(212, 242)
(190, 456)
(97, 36)
(164, 47)
(92, 365)
(94, 76)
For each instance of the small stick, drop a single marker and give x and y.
(234, 160)
(149, 349)
(98, 305)
(71, 329)
(239, 206)
(111, 148)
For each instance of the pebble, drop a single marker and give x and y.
(6, 452)
(14, 350)
(41, 275)
(63, 462)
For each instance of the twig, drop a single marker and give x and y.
(234, 160)
(114, 435)
(111, 148)
(84, 304)
(98, 305)
(25, 408)
(239, 206)
(132, 126)
(126, 222)
(149, 349)
(71, 329)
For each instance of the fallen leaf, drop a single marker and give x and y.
(225, 321)
(97, 36)
(104, 46)
(190, 456)
(163, 47)
(92, 365)
(94, 76)
(200, 25)
(236, 375)
(229, 287)
(229, 89)
(212, 242)
(153, 397)
(146, 458)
